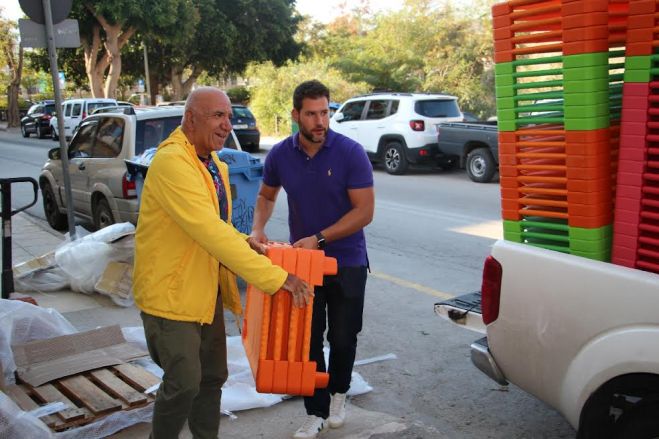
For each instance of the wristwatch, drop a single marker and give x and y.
(321, 240)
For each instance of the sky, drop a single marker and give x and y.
(323, 11)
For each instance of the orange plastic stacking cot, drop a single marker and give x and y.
(277, 334)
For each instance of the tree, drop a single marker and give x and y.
(423, 47)
(106, 26)
(228, 35)
(12, 56)
(272, 105)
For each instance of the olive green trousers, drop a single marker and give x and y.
(194, 360)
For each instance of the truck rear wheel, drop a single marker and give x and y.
(480, 165)
(642, 423)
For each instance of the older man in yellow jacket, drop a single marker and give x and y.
(185, 247)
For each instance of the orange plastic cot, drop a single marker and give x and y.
(277, 334)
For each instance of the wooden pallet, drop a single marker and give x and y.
(88, 396)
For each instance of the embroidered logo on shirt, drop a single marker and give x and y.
(329, 172)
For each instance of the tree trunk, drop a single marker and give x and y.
(177, 83)
(13, 114)
(180, 87)
(115, 39)
(93, 65)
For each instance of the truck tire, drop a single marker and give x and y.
(394, 159)
(480, 165)
(56, 219)
(102, 214)
(642, 423)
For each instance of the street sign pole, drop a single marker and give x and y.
(52, 55)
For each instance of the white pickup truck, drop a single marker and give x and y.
(581, 335)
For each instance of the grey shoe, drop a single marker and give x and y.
(310, 428)
(337, 413)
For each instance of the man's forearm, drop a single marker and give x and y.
(353, 221)
(262, 212)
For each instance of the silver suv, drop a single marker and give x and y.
(101, 191)
(397, 129)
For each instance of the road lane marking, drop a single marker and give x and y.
(412, 285)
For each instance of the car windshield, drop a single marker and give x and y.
(94, 105)
(149, 133)
(242, 112)
(49, 108)
(437, 108)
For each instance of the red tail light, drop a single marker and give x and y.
(491, 290)
(128, 188)
(417, 125)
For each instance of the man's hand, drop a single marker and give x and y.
(299, 289)
(310, 242)
(256, 245)
(259, 236)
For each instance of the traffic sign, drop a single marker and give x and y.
(34, 9)
(66, 34)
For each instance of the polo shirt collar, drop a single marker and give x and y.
(329, 140)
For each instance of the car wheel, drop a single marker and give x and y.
(102, 214)
(480, 165)
(24, 131)
(56, 219)
(395, 162)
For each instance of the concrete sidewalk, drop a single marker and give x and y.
(33, 237)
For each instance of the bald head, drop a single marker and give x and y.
(207, 119)
(200, 99)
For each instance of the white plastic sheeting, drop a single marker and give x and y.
(80, 264)
(21, 322)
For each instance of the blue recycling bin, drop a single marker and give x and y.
(137, 173)
(245, 175)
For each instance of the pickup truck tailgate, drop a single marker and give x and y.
(463, 310)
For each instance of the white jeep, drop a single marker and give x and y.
(397, 129)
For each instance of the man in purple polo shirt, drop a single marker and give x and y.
(328, 180)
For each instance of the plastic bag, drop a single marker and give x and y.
(85, 259)
(22, 322)
(49, 279)
(83, 262)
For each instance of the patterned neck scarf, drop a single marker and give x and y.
(219, 187)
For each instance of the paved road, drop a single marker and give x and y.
(431, 232)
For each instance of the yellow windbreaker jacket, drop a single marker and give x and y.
(183, 250)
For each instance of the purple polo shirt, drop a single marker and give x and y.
(317, 189)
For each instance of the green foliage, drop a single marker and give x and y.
(272, 105)
(22, 103)
(426, 46)
(239, 95)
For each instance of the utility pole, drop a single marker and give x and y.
(146, 73)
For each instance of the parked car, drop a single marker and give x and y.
(244, 124)
(75, 111)
(397, 129)
(37, 119)
(101, 191)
